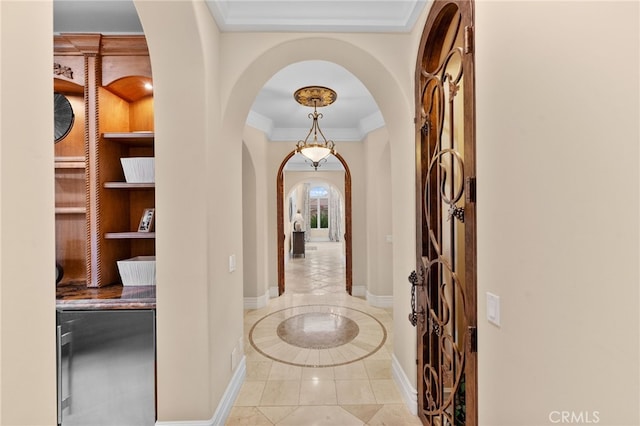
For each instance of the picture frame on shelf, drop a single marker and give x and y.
(146, 221)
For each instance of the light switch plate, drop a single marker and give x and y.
(232, 263)
(493, 309)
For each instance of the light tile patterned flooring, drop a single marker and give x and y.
(353, 383)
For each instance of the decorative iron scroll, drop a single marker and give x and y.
(443, 183)
(448, 372)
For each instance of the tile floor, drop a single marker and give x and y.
(298, 377)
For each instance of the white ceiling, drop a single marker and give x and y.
(316, 15)
(352, 115)
(275, 111)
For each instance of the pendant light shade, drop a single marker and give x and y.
(315, 153)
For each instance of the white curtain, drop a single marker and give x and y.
(305, 212)
(335, 215)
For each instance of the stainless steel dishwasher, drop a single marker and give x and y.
(106, 367)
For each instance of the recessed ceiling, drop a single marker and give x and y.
(350, 117)
(316, 15)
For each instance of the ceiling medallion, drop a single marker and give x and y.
(316, 151)
(315, 96)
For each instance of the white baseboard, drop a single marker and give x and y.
(273, 292)
(358, 290)
(408, 392)
(224, 407)
(380, 301)
(256, 302)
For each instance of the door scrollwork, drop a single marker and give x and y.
(443, 288)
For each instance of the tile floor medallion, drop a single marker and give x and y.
(318, 330)
(317, 335)
(317, 356)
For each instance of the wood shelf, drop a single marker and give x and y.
(131, 138)
(129, 185)
(69, 163)
(129, 235)
(70, 210)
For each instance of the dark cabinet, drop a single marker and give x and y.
(298, 243)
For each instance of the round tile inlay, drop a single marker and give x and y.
(318, 330)
(317, 335)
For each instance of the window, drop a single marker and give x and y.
(319, 208)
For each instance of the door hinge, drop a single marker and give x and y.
(472, 335)
(470, 189)
(468, 39)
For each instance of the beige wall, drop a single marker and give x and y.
(184, 390)
(199, 300)
(249, 226)
(557, 146)
(379, 254)
(27, 248)
(254, 211)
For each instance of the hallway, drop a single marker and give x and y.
(317, 356)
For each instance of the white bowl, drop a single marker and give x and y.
(139, 169)
(139, 270)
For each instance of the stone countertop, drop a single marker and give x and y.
(79, 296)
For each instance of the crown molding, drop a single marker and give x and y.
(265, 125)
(398, 16)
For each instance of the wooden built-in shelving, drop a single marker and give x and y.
(105, 78)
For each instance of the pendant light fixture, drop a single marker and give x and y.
(315, 150)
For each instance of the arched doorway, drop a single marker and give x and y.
(348, 223)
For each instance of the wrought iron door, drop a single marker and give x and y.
(444, 284)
